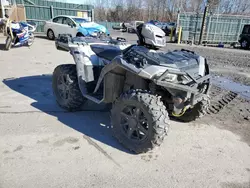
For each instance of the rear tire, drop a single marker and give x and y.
(245, 44)
(8, 43)
(139, 121)
(50, 35)
(66, 89)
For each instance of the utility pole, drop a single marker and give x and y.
(203, 21)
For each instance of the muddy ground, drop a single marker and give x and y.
(41, 145)
(234, 65)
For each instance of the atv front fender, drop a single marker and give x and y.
(115, 63)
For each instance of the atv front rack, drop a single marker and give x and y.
(192, 87)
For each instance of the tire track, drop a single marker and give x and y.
(91, 142)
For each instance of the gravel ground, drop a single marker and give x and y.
(43, 146)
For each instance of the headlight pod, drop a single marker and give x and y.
(167, 77)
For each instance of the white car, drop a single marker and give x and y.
(76, 26)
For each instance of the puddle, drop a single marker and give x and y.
(227, 84)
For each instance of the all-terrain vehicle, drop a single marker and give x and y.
(144, 86)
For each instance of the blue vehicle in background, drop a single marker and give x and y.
(19, 33)
(75, 26)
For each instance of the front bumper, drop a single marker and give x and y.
(192, 87)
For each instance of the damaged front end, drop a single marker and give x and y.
(187, 88)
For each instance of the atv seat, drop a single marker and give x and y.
(106, 52)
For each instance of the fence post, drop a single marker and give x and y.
(177, 25)
(171, 34)
(93, 15)
(203, 24)
(179, 35)
(239, 31)
(208, 28)
(51, 12)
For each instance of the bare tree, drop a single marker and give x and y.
(196, 6)
(241, 7)
(163, 10)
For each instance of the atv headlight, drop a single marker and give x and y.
(184, 79)
(167, 77)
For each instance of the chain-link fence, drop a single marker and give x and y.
(218, 28)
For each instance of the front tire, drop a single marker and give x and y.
(79, 35)
(31, 40)
(8, 43)
(139, 121)
(66, 89)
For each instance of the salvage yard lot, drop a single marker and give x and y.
(41, 145)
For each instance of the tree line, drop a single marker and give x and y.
(163, 10)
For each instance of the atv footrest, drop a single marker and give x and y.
(94, 99)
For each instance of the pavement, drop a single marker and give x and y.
(41, 145)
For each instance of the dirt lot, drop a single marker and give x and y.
(41, 145)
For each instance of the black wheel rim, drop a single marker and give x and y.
(134, 124)
(63, 86)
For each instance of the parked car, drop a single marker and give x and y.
(244, 39)
(122, 27)
(132, 25)
(155, 22)
(75, 26)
